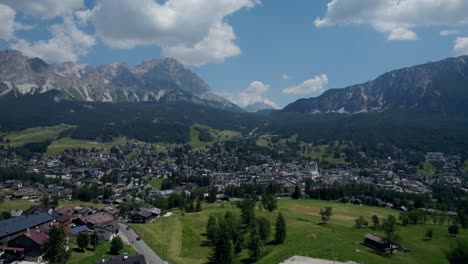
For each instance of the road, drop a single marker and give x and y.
(140, 246)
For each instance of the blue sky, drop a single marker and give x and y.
(273, 51)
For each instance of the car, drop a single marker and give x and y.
(138, 238)
(128, 228)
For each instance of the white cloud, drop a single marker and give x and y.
(67, 43)
(21, 26)
(46, 9)
(314, 85)
(192, 31)
(254, 94)
(461, 46)
(7, 22)
(397, 19)
(285, 77)
(449, 32)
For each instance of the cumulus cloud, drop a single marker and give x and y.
(67, 43)
(21, 26)
(397, 19)
(285, 77)
(254, 94)
(192, 31)
(461, 46)
(7, 22)
(46, 9)
(449, 32)
(314, 85)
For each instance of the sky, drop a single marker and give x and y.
(269, 51)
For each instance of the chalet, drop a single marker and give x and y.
(140, 216)
(97, 218)
(379, 243)
(78, 229)
(14, 227)
(107, 231)
(38, 209)
(32, 242)
(65, 214)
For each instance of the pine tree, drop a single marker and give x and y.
(212, 229)
(280, 229)
(55, 251)
(297, 192)
(198, 207)
(269, 202)
(326, 214)
(255, 245)
(375, 222)
(116, 245)
(264, 229)
(82, 240)
(94, 240)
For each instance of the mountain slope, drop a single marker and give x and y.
(433, 88)
(154, 80)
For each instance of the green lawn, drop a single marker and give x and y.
(36, 134)
(90, 256)
(427, 169)
(218, 135)
(58, 146)
(180, 239)
(156, 183)
(466, 165)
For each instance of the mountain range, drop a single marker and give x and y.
(433, 88)
(154, 80)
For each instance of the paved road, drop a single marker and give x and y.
(140, 246)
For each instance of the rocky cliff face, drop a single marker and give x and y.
(438, 87)
(154, 80)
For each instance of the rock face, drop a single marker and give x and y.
(154, 80)
(439, 87)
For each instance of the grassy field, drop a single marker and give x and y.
(36, 134)
(156, 183)
(9, 205)
(218, 135)
(427, 169)
(58, 146)
(466, 165)
(181, 239)
(90, 256)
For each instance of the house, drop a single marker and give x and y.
(379, 243)
(78, 229)
(16, 226)
(125, 259)
(38, 209)
(65, 214)
(32, 242)
(96, 218)
(140, 216)
(107, 231)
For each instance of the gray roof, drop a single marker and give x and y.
(20, 223)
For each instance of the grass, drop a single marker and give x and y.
(58, 146)
(218, 135)
(323, 152)
(466, 165)
(156, 183)
(8, 205)
(427, 169)
(90, 256)
(36, 134)
(180, 238)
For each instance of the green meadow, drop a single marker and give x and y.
(180, 238)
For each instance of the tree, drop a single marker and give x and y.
(389, 228)
(223, 248)
(280, 229)
(212, 229)
(361, 222)
(297, 192)
(116, 245)
(54, 201)
(248, 212)
(82, 240)
(55, 248)
(375, 222)
(255, 245)
(326, 214)
(404, 218)
(198, 206)
(264, 229)
(94, 240)
(429, 233)
(269, 202)
(212, 195)
(459, 253)
(453, 230)
(45, 200)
